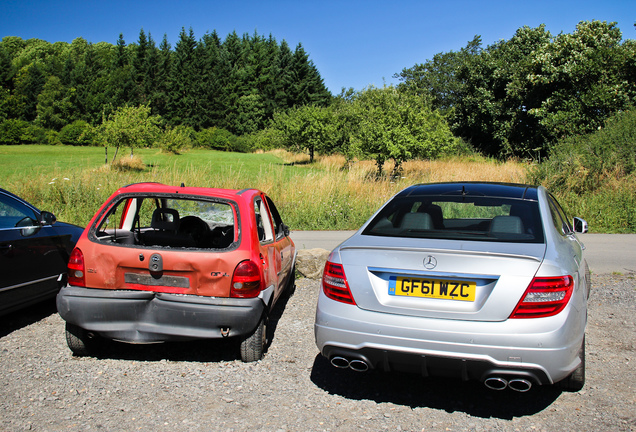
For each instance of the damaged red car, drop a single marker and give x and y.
(161, 263)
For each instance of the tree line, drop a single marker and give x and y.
(519, 97)
(515, 98)
(236, 84)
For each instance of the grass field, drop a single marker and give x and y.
(73, 182)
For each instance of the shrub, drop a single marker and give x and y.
(77, 133)
(174, 140)
(12, 131)
(266, 139)
(35, 135)
(220, 139)
(585, 163)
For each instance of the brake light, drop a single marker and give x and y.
(76, 270)
(544, 297)
(246, 281)
(335, 285)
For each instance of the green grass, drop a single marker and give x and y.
(73, 182)
(15, 161)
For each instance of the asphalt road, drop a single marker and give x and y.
(605, 253)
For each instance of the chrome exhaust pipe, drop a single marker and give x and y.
(340, 362)
(496, 383)
(358, 365)
(520, 385)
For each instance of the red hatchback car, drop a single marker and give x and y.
(162, 263)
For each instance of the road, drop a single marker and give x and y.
(605, 253)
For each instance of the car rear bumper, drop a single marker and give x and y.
(543, 353)
(145, 316)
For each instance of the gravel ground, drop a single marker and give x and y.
(204, 386)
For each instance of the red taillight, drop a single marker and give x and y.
(246, 281)
(76, 268)
(335, 285)
(546, 296)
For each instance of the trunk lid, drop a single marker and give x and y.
(467, 280)
(159, 270)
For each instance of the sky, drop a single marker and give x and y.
(354, 43)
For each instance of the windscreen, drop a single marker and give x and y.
(459, 218)
(159, 221)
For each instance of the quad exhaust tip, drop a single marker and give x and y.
(354, 364)
(517, 384)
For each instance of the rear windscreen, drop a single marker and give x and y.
(157, 221)
(459, 218)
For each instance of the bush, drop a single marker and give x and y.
(585, 163)
(77, 133)
(174, 140)
(220, 139)
(35, 135)
(266, 139)
(12, 131)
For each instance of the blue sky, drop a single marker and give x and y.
(352, 43)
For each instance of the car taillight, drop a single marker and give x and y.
(246, 281)
(335, 285)
(76, 268)
(546, 296)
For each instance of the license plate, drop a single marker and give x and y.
(433, 288)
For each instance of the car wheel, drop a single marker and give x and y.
(81, 342)
(576, 380)
(253, 346)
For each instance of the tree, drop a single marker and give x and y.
(396, 125)
(132, 127)
(54, 106)
(309, 128)
(28, 84)
(183, 102)
(437, 78)
(160, 91)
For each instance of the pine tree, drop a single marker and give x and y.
(160, 91)
(182, 98)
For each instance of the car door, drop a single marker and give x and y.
(282, 244)
(30, 260)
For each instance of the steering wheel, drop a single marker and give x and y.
(195, 227)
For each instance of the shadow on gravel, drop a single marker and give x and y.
(450, 395)
(206, 351)
(27, 316)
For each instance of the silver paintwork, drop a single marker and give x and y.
(479, 331)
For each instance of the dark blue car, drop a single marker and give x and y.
(34, 252)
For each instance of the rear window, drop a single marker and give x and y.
(156, 221)
(459, 218)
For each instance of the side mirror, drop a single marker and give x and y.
(47, 218)
(286, 230)
(580, 225)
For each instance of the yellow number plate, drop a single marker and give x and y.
(433, 288)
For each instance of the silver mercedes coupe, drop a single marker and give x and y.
(478, 281)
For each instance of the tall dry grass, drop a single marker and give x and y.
(331, 194)
(325, 195)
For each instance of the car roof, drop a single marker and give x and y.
(159, 188)
(485, 189)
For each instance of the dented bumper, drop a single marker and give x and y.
(145, 316)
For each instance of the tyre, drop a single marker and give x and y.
(81, 342)
(253, 346)
(576, 380)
